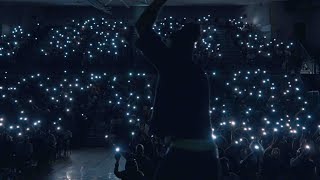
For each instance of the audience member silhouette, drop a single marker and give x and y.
(131, 171)
(181, 109)
(226, 174)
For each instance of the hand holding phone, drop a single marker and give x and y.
(117, 156)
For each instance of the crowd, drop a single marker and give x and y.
(92, 38)
(280, 157)
(37, 111)
(98, 39)
(255, 116)
(21, 155)
(254, 45)
(11, 42)
(207, 48)
(264, 127)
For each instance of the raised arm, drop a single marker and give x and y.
(116, 171)
(149, 16)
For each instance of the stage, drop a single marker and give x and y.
(84, 164)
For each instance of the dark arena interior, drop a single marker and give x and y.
(159, 89)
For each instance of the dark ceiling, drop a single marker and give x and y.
(139, 2)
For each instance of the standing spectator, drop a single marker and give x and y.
(131, 171)
(302, 165)
(67, 141)
(51, 145)
(144, 163)
(182, 102)
(226, 174)
(273, 165)
(24, 150)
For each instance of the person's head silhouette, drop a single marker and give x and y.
(185, 38)
(131, 165)
(139, 149)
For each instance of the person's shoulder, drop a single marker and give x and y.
(233, 174)
(146, 157)
(267, 157)
(311, 163)
(139, 174)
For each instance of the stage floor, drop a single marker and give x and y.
(84, 164)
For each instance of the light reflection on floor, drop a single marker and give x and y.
(85, 164)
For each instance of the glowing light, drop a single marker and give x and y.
(214, 136)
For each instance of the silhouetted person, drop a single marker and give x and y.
(226, 174)
(131, 171)
(273, 165)
(303, 167)
(144, 163)
(181, 109)
(250, 165)
(23, 151)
